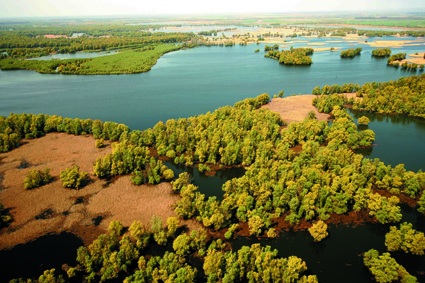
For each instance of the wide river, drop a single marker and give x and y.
(195, 81)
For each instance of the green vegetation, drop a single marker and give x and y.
(99, 143)
(385, 268)
(37, 178)
(403, 96)
(319, 230)
(396, 57)
(406, 239)
(351, 53)
(345, 88)
(125, 62)
(114, 255)
(270, 48)
(4, 217)
(294, 56)
(257, 50)
(128, 158)
(363, 121)
(383, 52)
(254, 264)
(72, 178)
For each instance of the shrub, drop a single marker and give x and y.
(363, 120)
(318, 231)
(168, 174)
(72, 178)
(99, 143)
(4, 218)
(37, 178)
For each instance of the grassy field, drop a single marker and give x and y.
(125, 62)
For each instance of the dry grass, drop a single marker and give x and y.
(295, 108)
(327, 49)
(419, 55)
(317, 43)
(67, 209)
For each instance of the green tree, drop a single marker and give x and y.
(37, 178)
(319, 231)
(363, 120)
(72, 178)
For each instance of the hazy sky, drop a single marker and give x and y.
(42, 8)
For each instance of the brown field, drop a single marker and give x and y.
(295, 108)
(53, 209)
(327, 49)
(419, 55)
(316, 43)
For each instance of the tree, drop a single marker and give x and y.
(318, 231)
(181, 245)
(158, 231)
(72, 178)
(363, 120)
(4, 218)
(281, 93)
(139, 233)
(37, 178)
(406, 239)
(172, 224)
(255, 224)
(99, 143)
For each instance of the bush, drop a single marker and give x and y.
(168, 174)
(99, 143)
(4, 218)
(72, 178)
(318, 231)
(363, 120)
(37, 178)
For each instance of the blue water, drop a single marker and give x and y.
(77, 55)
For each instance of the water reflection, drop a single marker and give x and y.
(209, 186)
(398, 138)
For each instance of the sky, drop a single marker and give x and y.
(53, 8)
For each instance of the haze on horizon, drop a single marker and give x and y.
(59, 8)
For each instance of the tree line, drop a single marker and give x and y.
(118, 254)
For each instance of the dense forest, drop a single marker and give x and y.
(351, 53)
(294, 56)
(138, 49)
(125, 62)
(403, 96)
(383, 52)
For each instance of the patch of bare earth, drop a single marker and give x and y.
(295, 108)
(85, 212)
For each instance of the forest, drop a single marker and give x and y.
(124, 62)
(403, 96)
(138, 48)
(382, 52)
(324, 180)
(351, 53)
(294, 56)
